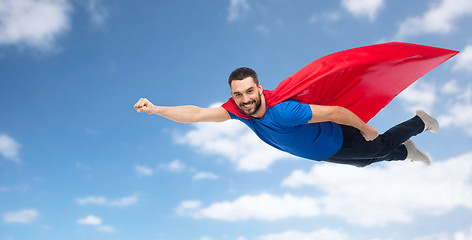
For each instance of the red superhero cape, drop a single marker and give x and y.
(363, 80)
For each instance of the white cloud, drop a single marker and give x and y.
(186, 208)
(98, 13)
(459, 115)
(23, 216)
(106, 229)
(419, 95)
(454, 97)
(263, 206)
(458, 107)
(237, 10)
(374, 196)
(95, 221)
(464, 59)
(234, 141)
(90, 220)
(325, 234)
(91, 200)
(363, 8)
(205, 175)
(451, 87)
(33, 23)
(143, 170)
(174, 166)
(121, 202)
(9, 148)
(440, 18)
(125, 201)
(378, 196)
(459, 235)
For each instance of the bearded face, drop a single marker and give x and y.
(247, 95)
(251, 106)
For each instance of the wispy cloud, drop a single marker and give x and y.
(9, 148)
(263, 206)
(420, 95)
(95, 221)
(363, 8)
(349, 193)
(106, 229)
(205, 175)
(19, 187)
(325, 234)
(234, 141)
(237, 10)
(352, 195)
(458, 111)
(24, 216)
(125, 201)
(90, 220)
(464, 59)
(91, 200)
(98, 200)
(440, 18)
(98, 12)
(143, 170)
(459, 235)
(33, 23)
(332, 16)
(263, 29)
(174, 166)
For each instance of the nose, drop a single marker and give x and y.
(245, 98)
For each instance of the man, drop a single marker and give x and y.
(322, 133)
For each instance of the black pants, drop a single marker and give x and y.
(387, 147)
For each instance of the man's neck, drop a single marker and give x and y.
(262, 110)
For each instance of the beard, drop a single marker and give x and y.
(256, 106)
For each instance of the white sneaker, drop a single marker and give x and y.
(415, 154)
(430, 123)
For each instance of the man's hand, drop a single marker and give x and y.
(144, 105)
(369, 133)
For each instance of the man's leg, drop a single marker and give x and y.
(387, 147)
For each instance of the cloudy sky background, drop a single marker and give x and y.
(78, 162)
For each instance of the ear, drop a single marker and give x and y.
(260, 87)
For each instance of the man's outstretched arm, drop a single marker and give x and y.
(343, 116)
(184, 114)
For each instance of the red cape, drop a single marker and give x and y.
(363, 80)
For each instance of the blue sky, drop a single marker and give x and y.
(78, 162)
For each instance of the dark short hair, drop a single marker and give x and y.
(242, 73)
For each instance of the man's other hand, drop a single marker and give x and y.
(369, 133)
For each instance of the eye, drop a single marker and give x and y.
(250, 91)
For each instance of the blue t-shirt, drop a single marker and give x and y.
(285, 126)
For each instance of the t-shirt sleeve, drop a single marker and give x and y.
(295, 113)
(232, 115)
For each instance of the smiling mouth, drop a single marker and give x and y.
(248, 105)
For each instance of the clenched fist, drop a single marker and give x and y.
(369, 133)
(144, 105)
